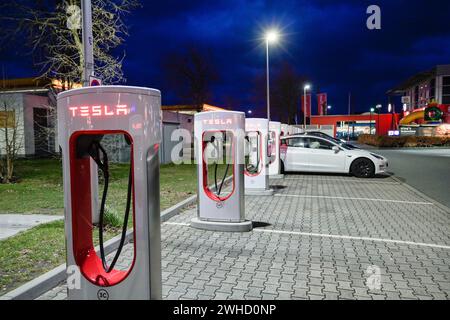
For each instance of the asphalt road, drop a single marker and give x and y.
(427, 170)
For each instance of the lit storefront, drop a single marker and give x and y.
(353, 125)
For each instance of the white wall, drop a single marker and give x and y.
(14, 103)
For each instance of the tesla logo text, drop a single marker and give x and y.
(100, 111)
(218, 121)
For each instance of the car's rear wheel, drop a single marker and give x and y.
(363, 168)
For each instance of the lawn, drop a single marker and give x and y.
(39, 190)
(40, 187)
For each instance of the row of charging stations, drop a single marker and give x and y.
(227, 146)
(248, 150)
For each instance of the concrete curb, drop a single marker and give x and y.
(38, 286)
(47, 281)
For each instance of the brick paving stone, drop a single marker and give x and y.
(263, 265)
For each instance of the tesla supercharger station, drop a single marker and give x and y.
(219, 154)
(291, 129)
(257, 158)
(274, 150)
(284, 130)
(85, 117)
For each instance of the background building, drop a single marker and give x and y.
(424, 87)
(27, 105)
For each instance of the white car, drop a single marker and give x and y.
(308, 153)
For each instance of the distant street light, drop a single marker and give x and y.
(249, 111)
(371, 111)
(305, 88)
(270, 37)
(379, 106)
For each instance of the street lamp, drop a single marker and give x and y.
(270, 37)
(305, 88)
(379, 106)
(328, 109)
(371, 111)
(249, 111)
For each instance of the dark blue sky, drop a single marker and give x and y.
(327, 40)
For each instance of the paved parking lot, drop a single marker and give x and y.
(318, 237)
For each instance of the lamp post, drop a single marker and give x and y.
(371, 111)
(379, 106)
(328, 109)
(88, 47)
(270, 37)
(305, 88)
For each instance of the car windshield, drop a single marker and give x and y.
(346, 146)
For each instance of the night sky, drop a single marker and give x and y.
(326, 40)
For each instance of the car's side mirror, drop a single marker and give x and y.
(336, 149)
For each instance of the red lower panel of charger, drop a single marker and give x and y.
(86, 258)
(93, 271)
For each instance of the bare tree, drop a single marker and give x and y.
(190, 74)
(287, 92)
(53, 32)
(11, 137)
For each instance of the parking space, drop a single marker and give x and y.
(318, 237)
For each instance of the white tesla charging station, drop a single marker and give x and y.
(274, 150)
(257, 162)
(291, 129)
(284, 130)
(85, 117)
(219, 152)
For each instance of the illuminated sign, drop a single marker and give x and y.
(433, 113)
(393, 133)
(100, 111)
(218, 121)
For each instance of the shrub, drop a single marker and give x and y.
(112, 219)
(406, 141)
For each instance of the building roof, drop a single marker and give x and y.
(419, 78)
(191, 109)
(33, 85)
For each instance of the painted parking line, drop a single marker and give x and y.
(349, 198)
(421, 244)
(335, 236)
(347, 180)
